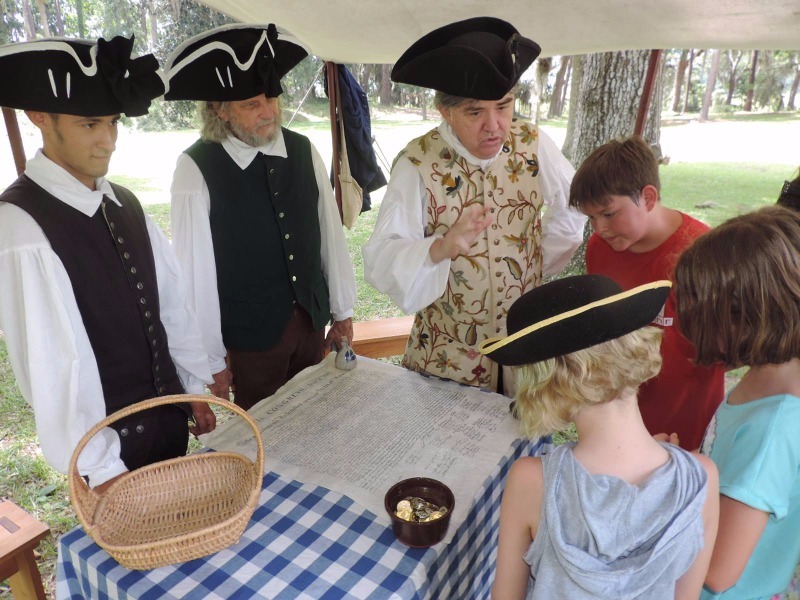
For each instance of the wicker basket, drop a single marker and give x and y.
(174, 510)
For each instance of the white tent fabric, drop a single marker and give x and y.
(378, 31)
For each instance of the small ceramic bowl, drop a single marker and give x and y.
(420, 535)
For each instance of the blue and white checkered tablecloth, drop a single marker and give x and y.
(308, 542)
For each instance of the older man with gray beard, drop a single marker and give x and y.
(254, 221)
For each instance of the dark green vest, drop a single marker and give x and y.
(266, 236)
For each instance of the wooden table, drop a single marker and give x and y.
(20, 533)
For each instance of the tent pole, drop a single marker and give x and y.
(333, 95)
(14, 137)
(644, 104)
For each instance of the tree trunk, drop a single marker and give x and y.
(751, 82)
(423, 102)
(43, 17)
(708, 97)
(732, 78)
(543, 66)
(793, 90)
(557, 98)
(143, 20)
(522, 103)
(567, 81)
(59, 18)
(680, 73)
(688, 82)
(652, 124)
(30, 23)
(609, 89)
(577, 263)
(81, 19)
(385, 92)
(574, 92)
(365, 76)
(151, 9)
(176, 8)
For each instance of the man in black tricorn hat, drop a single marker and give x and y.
(255, 223)
(94, 314)
(460, 234)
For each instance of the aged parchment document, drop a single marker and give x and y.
(358, 432)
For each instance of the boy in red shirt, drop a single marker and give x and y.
(637, 240)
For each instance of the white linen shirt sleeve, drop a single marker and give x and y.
(562, 225)
(194, 250)
(337, 266)
(177, 316)
(397, 258)
(49, 350)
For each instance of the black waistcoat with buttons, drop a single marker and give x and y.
(109, 261)
(266, 235)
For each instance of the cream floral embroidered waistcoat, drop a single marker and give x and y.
(503, 263)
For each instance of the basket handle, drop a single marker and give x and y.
(161, 401)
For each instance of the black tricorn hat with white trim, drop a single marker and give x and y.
(480, 58)
(570, 314)
(78, 77)
(232, 62)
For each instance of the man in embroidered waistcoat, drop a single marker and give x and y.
(476, 209)
(255, 223)
(91, 303)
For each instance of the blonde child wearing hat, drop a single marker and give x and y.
(738, 290)
(617, 514)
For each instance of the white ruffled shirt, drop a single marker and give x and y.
(48, 346)
(191, 239)
(396, 258)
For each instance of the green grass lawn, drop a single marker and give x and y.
(726, 189)
(25, 477)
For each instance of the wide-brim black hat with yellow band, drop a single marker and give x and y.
(571, 314)
(480, 58)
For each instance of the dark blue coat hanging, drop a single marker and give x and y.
(358, 135)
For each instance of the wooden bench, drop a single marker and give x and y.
(20, 533)
(382, 337)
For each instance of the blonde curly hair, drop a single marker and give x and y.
(551, 393)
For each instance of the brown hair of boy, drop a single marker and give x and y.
(617, 168)
(738, 290)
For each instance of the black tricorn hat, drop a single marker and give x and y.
(479, 58)
(570, 314)
(232, 62)
(78, 77)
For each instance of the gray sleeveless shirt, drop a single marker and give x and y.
(601, 537)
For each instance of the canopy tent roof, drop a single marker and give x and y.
(378, 31)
